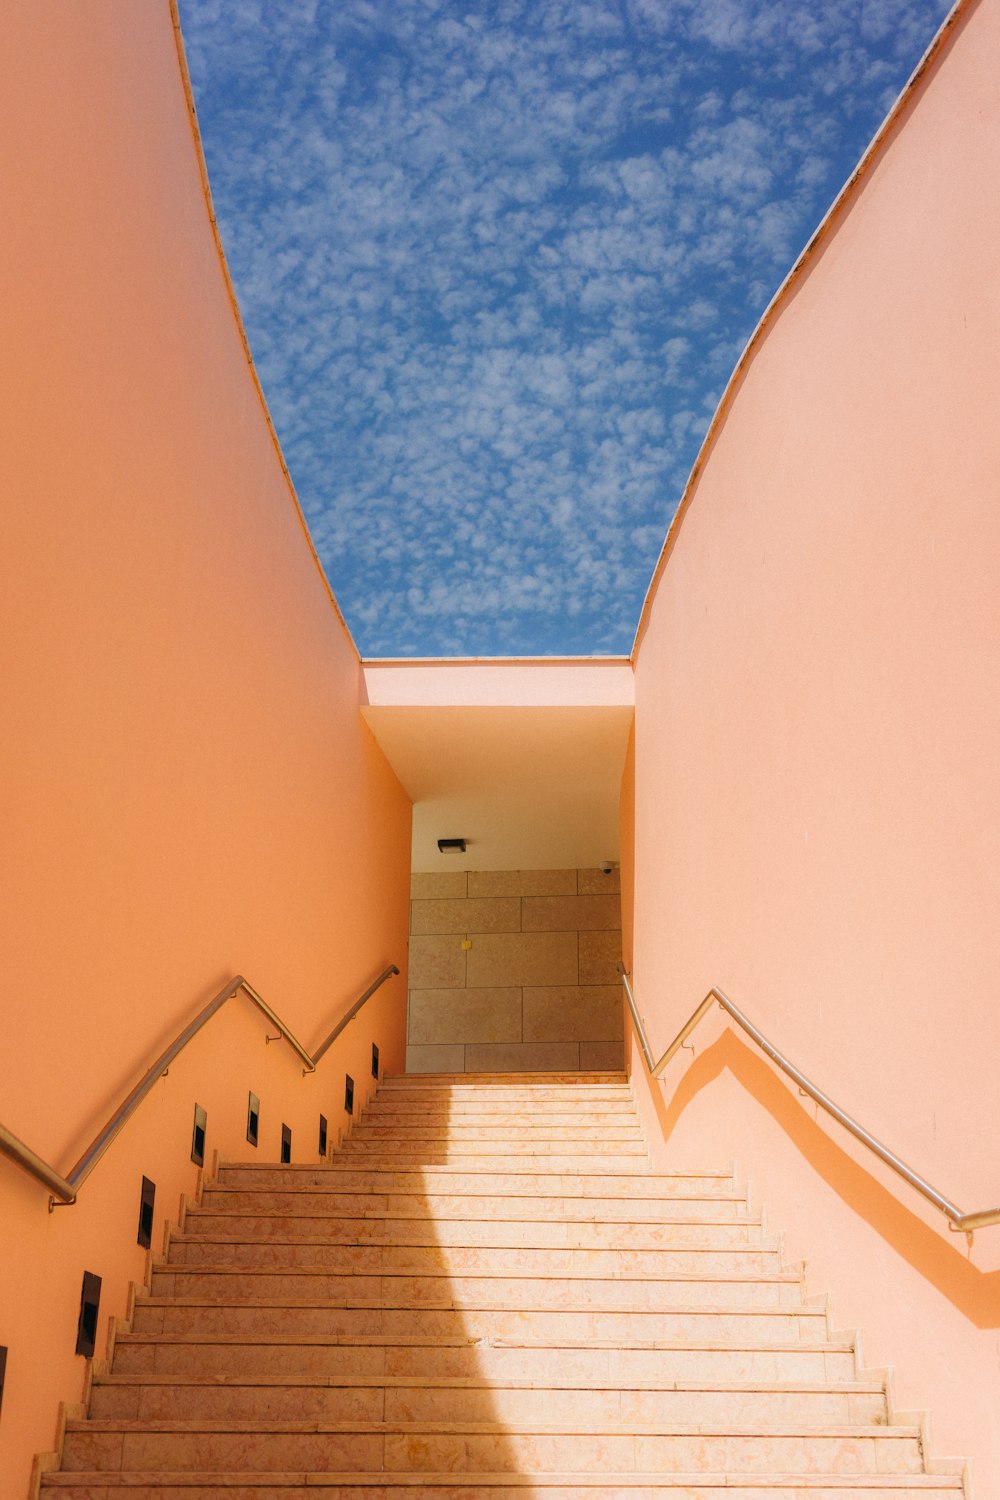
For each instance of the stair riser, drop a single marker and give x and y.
(458, 1231)
(452, 1205)
(374, 1404)
(372, 1259)
(507, 1452)
(489, 1158)
(686, 1487)
(763, 1327)
(469, 1177)
(543, 1112)
(617, 1366)
(473, 1291)
(452, 1130)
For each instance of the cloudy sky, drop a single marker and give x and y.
(496, 262)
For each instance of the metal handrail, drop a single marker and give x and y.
(64, 1189)
(960, 1222)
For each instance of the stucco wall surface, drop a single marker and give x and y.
(817, 825)
(189, 789)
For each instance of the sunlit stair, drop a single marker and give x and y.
(488, 1292)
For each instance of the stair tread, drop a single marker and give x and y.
(507, 1478)
(740, 1278)
(602, 1429)
(448, 1154)
(460, 1383)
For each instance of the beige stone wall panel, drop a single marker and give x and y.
(468, 916)
(522, 1057)
(448, 884)
(599, 956)
(522, 883)
(558, 1013)
(571, 913)
(436, 963)
(522, 958)
(487, 1015)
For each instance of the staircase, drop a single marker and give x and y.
(487, 1294)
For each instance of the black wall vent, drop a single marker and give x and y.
(90, 1301)
(253, 1119)
(374, 1061)
(147, 1196)
(286, 1143)
(3, 1371)
(198, 1136)
(322, 1135)
(349, 1094)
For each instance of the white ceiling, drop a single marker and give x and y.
(523, 760)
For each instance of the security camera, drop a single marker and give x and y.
(606, 866)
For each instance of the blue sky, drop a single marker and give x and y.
(496, 263)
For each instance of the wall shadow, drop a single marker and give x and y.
(975, 1293)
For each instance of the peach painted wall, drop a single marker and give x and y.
(189, 789)
(817, 749)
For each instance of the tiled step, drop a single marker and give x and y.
(484, 1204)
(345, 1174)
(519, 1101)
(373, 1446)
(486, 1486)
(381, 1227)
(487, 1294)
(494, 1260)
(752, 1324)
(553, 1159)
(414, 1399)
(452, 1130)
(335, 1356)
(453, 1289)
(481, 1084)
(481, 1112)
(351, 1175)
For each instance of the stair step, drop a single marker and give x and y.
(453, 1289)
(371, 1446)
(622, 1129)
(403, 1111)
(374, 1259)
(525, 1485)
(361, 1318)
(487, 1292)
(333, 1355)
(380, 1226)
(628, 1158)
(503, 1486)
(484, 1204)
(472, 1176)
(412, 1399)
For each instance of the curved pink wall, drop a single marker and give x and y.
(189, 789)
(817, 751)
